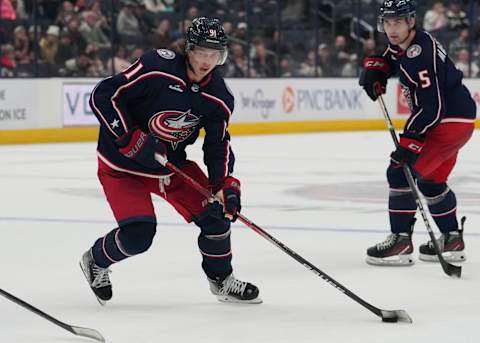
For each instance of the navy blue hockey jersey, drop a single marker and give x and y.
(431, 84)
(156, 95)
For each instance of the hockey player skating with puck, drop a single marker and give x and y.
(158, 106)
(441, 122)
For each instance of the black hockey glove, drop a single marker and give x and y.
(409, 148)
(141, 147)
(229, 194)
(374, 76)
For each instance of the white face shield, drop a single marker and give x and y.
(205, 52)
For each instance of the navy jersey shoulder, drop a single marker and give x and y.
(156, 95)
(430, 82)
(217, 87)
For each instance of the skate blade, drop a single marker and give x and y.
(229, 299)
(398, 260)
(449, 256)
(82, 267)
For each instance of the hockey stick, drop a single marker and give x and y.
(79, 331)
(386, 315)
(448, 268)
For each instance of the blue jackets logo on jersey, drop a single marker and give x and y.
(167, 54)
(414, 51)
(173, 126)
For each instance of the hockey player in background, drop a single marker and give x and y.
(441, 122)
(158, 106)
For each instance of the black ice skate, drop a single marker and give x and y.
(236, 291)
(396, 250)
(97, 278)
(451, 245)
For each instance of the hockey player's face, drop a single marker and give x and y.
(397, 30)
(203, 60)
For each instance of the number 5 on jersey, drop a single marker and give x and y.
(424, 79)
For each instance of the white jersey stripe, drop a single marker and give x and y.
(218, 101)
(117, 168)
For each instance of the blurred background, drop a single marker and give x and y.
(268, 38)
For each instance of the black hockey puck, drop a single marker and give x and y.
(390, 319)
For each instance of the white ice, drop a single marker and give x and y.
(323, 195)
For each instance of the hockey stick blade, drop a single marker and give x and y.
(79, 331)
(395, 316)
(87, 332)
(452, 270)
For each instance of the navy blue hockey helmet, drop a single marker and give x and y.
(396, 9)
(207, 33)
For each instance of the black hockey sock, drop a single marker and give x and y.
(123, 242)
(214, 244)
(105, 250)
(402, 208)
(443, 209)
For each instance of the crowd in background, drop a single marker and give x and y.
(267, 38)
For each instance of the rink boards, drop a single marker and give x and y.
(56, 110)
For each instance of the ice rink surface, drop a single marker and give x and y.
(323, 195)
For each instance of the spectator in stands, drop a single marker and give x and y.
(241, 32)
(457, 19)
(146, 21)
(7, 11)
(460, 43)
(21, 45)
(128, 25)
(92, 30)
(286, 67)
(8, 15)
(31, 33)
(263, 62)
(463, 64)
(370, 48)
(7, 61)
(278, 44)
(161, 37)
(20, 8)
(228, 28)
(65, 51)
(237, 65)
(65, 13)
(342, 60)
(96, 68)
(78, 66)
(119, 61)
(49, 44)
(324, 60)
(78, 42)
(307, 67)
(435, 18)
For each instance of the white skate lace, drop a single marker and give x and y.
(232, 285)
(100, 276)
(387, 243)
